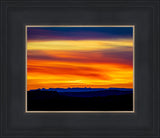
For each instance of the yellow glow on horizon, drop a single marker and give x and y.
(117, 74)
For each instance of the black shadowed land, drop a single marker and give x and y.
(80, 99)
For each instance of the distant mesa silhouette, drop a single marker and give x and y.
(79, 92)
(81, 89)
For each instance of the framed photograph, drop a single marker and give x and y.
(80, 69)
(90, 66)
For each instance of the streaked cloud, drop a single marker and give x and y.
(82, 45)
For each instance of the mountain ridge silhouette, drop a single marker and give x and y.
(81, 89)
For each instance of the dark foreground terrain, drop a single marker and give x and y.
(97, 100)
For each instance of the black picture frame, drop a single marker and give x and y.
(143, 123)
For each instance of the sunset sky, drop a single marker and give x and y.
(96, 57)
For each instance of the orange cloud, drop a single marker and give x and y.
(91, 64)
